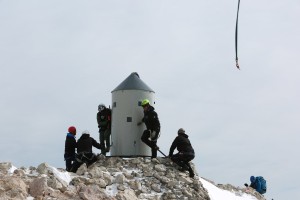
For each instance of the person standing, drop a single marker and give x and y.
(70, 146)
(104, 125)
(185, 153)
(84, 151)
(152, 127)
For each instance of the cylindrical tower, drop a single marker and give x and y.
(126, 113)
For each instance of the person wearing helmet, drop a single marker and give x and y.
(84, 151)
(70, 146)
(104, 125)
(152, 127)
(185, 153)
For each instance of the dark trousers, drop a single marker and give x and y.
(104, 140)
(69, 158)
(84, 157)
(151, 143)
(182, 159)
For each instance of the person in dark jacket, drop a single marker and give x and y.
(84, 151)
(152, 127)
(185, 153)
(104, 125)
(70, 146)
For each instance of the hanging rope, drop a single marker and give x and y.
(236, 37)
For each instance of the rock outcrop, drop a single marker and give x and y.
(110, 178)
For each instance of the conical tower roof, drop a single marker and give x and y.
(133, 82)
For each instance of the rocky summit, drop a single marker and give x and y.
(110, 178)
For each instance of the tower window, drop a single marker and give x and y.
(129, 119)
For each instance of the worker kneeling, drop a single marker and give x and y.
(84, 151)
(185, 153)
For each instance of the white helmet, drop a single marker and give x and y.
(101, 107)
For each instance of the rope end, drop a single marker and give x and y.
(237, 64)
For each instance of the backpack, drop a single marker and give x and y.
(109, 117)
(263, 184)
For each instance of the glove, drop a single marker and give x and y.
(153, 135)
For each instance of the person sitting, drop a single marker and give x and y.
(84, 151)
(185, 153)
(258, 183)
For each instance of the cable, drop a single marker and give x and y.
(236, 37)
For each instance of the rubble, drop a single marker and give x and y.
(110, 178)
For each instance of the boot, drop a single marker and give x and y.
(103, 151)
(192, 174)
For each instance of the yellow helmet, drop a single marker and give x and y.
(145, 102)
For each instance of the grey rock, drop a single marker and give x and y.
(38, 187)
(43, 168)
(108, 178)
(95, 172)
(19, 172)
(135, 185)
(120, 179)
(121, 187)
(160, 168)
(156, 187)
(127, 194)
(5, 166)
(12, 187)
(82, 169)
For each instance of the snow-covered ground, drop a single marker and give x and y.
(216, 193)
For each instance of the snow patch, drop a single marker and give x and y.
(111, 190)
(12, 169)
(216, 193)
(63, 177)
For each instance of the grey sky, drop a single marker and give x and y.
(60, 59)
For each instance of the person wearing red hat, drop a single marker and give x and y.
(70, 146)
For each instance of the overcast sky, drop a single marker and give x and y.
(60, 59)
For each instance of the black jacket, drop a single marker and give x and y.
(253, 185)
(70, 144)
(183, 145)
(85, 143)
(104, 119)
(151, 120)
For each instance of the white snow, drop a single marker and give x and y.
(216, 193)
(111, 190)
(12, 169)
(63, 177)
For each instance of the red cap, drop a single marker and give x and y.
(72, 130)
